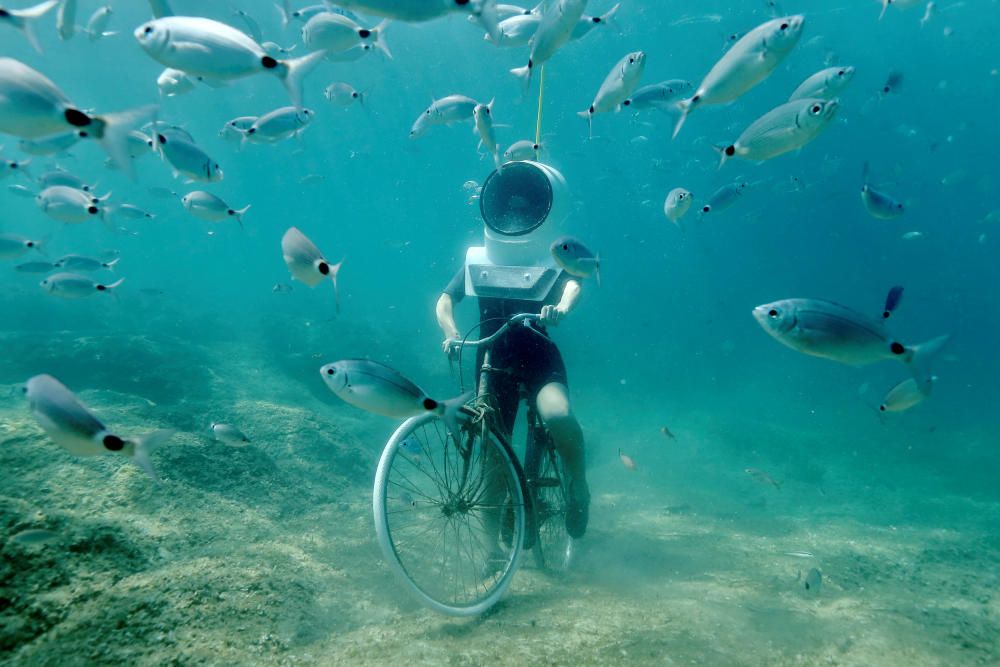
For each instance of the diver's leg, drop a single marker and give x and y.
(567, 436)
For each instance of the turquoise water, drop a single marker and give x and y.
(266, 554)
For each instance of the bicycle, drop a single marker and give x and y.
(455, 511)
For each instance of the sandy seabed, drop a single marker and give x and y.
(265, 555)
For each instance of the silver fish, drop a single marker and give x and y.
(13, 246)
(814, 581)
(906, 394)
(32, 107)
(9, 167)
(617, 87)
(84, 263)
(677, 204)
(63, 177)
(34, 267)
(343, 94)
(516, 30)
(21, 191)
(251, 24)
(188, 159)
(24, 20)
(306, 262)
(663, 95)
(277, 125)
(879, 204)
(525, 149)
(75, 286)
(229, 434)
(206, 206)
(783, 129)
(378, 388)
(724, 197)
(69, 205)
(71, 425)
(751, 59)
(829, 330)
(575, 258)
(825, 84)
(98, 22)
(559, 19)
(485, 11)
(214, 50)
(35, 537)
(173, 82)
(53, 145)
(132, 212)
(482, 114)
(902, 4)
(66, 20)
(445, 111)
(337, 33)
(588, 23)
(233, 130)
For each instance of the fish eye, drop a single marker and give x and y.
(773, 313)
(148, 30)
(595, 19)
(631, 60)
(461, 3)
(330, 371)
(565, 246)
(784, 26)
(816, 108)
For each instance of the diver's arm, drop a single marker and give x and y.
(554, 314)
(446, 319)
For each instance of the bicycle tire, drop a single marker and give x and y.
(435, 512)
(554, 548)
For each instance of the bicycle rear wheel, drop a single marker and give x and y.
(554, 548)
(450, 516)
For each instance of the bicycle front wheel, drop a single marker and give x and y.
(450, 513)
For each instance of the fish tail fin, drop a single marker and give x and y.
(293, 72)
(524, 74)
(110, 287)
(885, 6)
(112, 131)
(486, 12)
(685, 107)
(919, 357)
(110, 266)
(724, 153)
(239, 213)
(284, 15)
(449, 411)
(379, 41)
(29, 16)
(609, 18)
(146, 445)
(334, 270)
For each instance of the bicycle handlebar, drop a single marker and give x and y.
(515, 319)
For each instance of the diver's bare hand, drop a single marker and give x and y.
(552, 315)
(449, 345)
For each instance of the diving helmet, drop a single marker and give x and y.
(524, 205)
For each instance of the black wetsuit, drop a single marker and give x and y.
(525, 356)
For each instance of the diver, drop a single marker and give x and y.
(523, 206)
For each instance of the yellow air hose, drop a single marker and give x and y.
(538, 120)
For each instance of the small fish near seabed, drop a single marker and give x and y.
(626, 460)
(228, 435)
(763, 477)
(71, 425)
